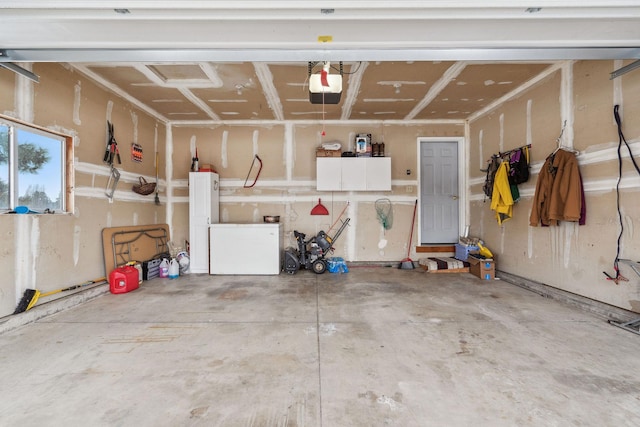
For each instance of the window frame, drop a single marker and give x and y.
(66, 163)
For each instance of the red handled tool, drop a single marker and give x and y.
(250, 169)
(112, 147)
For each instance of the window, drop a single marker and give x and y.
(33, 171)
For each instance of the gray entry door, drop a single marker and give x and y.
(439, 192)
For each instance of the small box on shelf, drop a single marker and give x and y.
(363, 145)
(321, 152)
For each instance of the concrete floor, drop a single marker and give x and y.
(373, 347)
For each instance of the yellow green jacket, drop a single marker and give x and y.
(501, 199)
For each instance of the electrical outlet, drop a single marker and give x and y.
(409, 188)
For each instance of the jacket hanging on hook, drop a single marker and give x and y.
(559, 194)
(502, 200)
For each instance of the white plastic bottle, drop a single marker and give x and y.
(164, 268)
(174, 269)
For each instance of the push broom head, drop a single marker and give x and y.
(28, 300)
(406, 264)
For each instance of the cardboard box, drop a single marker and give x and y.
(482, 268)
(321, 152)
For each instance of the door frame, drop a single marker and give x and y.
(463, 178)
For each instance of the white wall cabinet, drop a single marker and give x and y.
(204, 202)
(353, 174)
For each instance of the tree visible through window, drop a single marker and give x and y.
(32, 168)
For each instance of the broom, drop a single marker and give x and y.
(407, 263)
(31, 296)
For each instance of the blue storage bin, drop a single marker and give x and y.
(462, 251)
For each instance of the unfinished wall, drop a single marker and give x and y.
(287, 183)
(568, 256)
(7, 89)
(53, 251)
(48, 252)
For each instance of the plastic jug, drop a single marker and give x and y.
(174, 269)
(164, 268)
(123, 279)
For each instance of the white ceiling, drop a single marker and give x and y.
(187, 51)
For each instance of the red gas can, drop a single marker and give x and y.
(123, 279)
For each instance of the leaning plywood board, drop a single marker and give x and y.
(133, 243)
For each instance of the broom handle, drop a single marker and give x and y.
(338, 219)
(411, 231)
(70, 288)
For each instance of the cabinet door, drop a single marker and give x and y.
(328, 174)
(214, 191)
(378, 173)
(199, 220)
(354, 172)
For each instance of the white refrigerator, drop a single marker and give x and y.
(204, 210)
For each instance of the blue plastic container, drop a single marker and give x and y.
(336, 265)
(462, 251)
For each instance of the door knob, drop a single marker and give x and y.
(454, 197)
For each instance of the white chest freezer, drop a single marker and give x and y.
(245, 248)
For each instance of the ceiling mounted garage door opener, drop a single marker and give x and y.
(253, 165)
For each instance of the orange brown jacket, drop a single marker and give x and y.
(558, 195)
